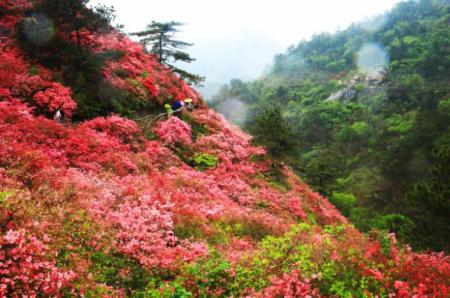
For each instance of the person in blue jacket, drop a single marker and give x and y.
(177, 107)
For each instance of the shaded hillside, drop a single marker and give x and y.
(363, 117)
(186, 207)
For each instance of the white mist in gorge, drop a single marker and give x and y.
(372, 58)
(238, 39)
(234, 110)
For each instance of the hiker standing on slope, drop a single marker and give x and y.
(169, 110)
(177, 107)
(59, 116)
(188, 104)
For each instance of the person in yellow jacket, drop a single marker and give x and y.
(188, 104)
(178, 106)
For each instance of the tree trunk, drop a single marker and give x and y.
(160, 49)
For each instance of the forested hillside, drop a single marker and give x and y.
(363, 116)
(101, 205)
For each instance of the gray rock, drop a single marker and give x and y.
(345, 94)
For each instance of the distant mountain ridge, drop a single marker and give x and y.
(367, 107)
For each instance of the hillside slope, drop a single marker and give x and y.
(368, 110)
(187, 207)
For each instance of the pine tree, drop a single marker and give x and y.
(272, 130)
(160, 38)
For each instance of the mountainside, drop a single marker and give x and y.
(183, 207)
(363, 118)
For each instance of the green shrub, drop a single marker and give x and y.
(204, 161)
(189, 226)
(212, 276)
(4, 198)
(197, 129)
(119, 271)
(343, 201)
(399, 224)
(173, 289)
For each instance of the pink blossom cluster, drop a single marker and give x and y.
(226, 141)
(25, 270)
(140, 73)
(16, 82)
(126, 131)
(290, 285)
(173, 131)
(56, 96)
(142, 225)
(16, 5)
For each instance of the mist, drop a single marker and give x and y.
(238, 39)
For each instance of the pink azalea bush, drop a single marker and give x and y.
(56, 97)
(290, 285)
(140, 73)
(25, 268)
(16, 82)
(173, 131)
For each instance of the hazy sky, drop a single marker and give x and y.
(238, 38)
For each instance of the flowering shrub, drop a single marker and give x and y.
(140, 73)
(135, 190)
(17, 82)
(24, 269)
(143, 224)
(290, 285)
(173, 131)
(15, 5)
(11, 64)
(114, 126)
(56, 97)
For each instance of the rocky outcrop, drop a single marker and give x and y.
(375, 80)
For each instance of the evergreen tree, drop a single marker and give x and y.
(160, 38)
(271, 130)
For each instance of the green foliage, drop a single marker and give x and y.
(430, 202)
(244, 227)
(167, 290)
(273, 131)
(401, 124)
(275, 178)
(4, 195)
(204, 161)
(119, 271)
(444, 106)
(212, 276)
(399, 224)
(343, 201)
(261, 204)
(362, 218)
(378, 141)
(189, 226)
(197, 129)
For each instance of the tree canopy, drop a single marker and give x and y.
(374, 141)
(160, 39)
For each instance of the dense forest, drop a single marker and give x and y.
(363, 116)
